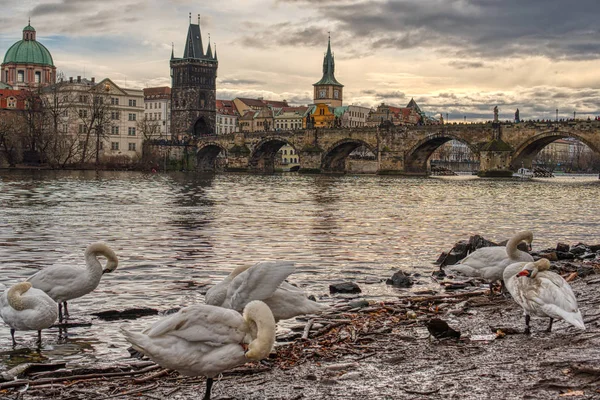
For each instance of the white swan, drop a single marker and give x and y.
(263, 281)
(24, 308)
(542, 293)
(207, 340)
(67, 282)
(489, 262)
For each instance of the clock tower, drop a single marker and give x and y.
(328, 90)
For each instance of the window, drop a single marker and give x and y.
(146, 106)
(114, 130)
(285, 160)
(159, 105)
(81, 128)
(132, 103)
(132, 117)
(114, 145)
(114, 101)
(65, 129)
(101, 145)
(285, 152)
(20, 76)
(82, 113)
(131, 131)
(114, 114)
(131, 146)
(38, 77)
(12, 102)
(83, 99)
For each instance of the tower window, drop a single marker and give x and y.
(20, 76)
(38, 77)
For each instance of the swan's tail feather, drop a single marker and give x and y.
(136, 339)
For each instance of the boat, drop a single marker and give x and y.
(523, 173)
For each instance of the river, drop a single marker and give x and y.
(176, 233)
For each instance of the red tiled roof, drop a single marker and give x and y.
(226, 107)
(262, 103)
(162, 92)
(17, 94)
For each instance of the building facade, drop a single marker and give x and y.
(28, 63)
(355, 116)
(227, 117)
(289, 118)
(97, 116)
(193, 83)
(157, 113)
(244, 104)
(328, 90)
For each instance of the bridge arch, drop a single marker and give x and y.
(417, 156)
(206, 156)
(526, 152)
(262, 157)
(334, 158)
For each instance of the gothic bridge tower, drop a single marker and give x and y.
(193, 87)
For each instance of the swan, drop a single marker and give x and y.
(489, 262)
(25, 308)
(207, 340)
(66, 282)
(542, 293)
(263, 281)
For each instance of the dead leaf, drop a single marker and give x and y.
(572, 393)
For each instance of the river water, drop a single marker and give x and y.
(177, 233)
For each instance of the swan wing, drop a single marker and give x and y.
(258, 282)
(289, 301)
(217, 294)
(64, 282)
(208, 324)
(485, 257)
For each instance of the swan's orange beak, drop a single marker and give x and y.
(106, 271)
(525, 272)
(244, 346)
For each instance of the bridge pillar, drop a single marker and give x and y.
(494, 160)
(238, 156)
(390, 162)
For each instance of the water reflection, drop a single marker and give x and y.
(175, 234)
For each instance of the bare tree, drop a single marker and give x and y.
(95, 115)
(12, 124)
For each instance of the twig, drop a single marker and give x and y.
(152, 377)
(170, 392)
(134, 391)
(419, 392)
(457, 371)
(309, 325)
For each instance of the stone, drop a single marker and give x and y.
(344, 287)
(584, 271)
(594, 248)
(359, 303)
(562, 247)
(564, 255)
(400, 279)
(549, 255)
(579, 249)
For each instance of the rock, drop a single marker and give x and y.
(564, 255)
(359, 303)
(341, 366)
(562, 247)
(477, 242)
(344, 287)
(441, 258)
(584, 271)
(594, 248)
(400, 279)
(132, 313)
(579, 249)
(439, 274)
(350, 375)
(440, 330)
(550, 256)
(311, 377)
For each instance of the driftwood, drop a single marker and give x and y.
(43, 381)
(307, 329)
(24, 369)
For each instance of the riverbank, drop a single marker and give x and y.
(380, 351)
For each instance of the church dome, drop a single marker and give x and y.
(28, 50)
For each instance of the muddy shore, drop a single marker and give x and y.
(379, 351)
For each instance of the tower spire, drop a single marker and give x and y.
(193, 44)
(190, 18)
(172, 50)
(215, 51)
(208, 50)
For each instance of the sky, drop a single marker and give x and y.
(455, 57)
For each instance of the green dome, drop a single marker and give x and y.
(28, 52)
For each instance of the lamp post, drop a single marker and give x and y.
(557, 115)
(574, 114)
(447, 120)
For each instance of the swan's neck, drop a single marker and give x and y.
(511, 246)
(261, 324)
(238, 270)
(15, 298)
(93, 264)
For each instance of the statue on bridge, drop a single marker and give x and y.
(517, 116)
(496, 114)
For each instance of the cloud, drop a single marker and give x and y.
(460, 64)
(240, 82)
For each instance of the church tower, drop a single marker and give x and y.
(328, 90)
(193, 87)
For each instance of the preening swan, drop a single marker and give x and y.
(489, 262)
(66, 282)
(263, 281)
(207, 340)
(542, 293)
(24, 308)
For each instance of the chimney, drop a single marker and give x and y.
(78, 78)
(70, 79)
(93, 79)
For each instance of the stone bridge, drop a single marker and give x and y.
(500, 147)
